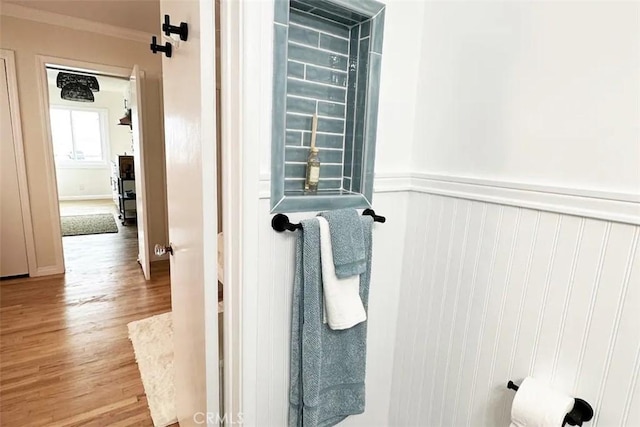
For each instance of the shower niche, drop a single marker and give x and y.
(327, 57)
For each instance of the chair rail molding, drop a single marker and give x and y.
(610, 206)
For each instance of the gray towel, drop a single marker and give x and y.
(347, 241)
(327, 366)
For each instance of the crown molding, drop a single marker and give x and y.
(79, 24)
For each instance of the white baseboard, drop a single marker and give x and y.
(88, 197)
(47, 271)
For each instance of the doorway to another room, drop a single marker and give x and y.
(96, 141)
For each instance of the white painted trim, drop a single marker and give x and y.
(87, 197)
(209, 171)
(47, 271)
(577, 202)
(609, 206)
(79, 24)
(233, 210)
(513, 185)
(8, 57)
(50, 168)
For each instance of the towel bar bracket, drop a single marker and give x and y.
(281, 222)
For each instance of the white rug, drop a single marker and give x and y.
(152, 340)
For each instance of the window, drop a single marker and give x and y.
(78, 136)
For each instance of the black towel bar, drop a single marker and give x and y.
(581, 412)
(281, 222)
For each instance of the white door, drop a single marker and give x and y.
(13, 249)
(137, 118)
(189, 120)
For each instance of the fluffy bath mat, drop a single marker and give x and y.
(77, 225)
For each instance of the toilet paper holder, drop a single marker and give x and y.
(581, 412)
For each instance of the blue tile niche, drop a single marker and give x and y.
(327, 56)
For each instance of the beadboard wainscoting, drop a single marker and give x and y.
(492, 292)
(268, 351)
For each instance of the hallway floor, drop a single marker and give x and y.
(65, 356)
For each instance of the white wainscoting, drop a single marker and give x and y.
(492, 292)
(267, 364)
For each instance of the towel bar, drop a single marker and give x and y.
(281, 222)
(581, 412)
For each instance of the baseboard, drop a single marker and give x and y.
(88, 197)
(48, 271)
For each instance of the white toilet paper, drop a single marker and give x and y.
(537, 405)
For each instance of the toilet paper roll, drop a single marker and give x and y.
(537, 405)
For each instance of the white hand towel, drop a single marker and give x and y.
(342, 304)
(537, 405)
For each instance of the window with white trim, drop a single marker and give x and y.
(79, 136)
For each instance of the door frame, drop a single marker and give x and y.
(42, 61)
(8, 56)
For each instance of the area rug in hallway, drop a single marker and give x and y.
(77, 225)
(152, 340)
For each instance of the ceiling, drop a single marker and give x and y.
(140, 15)
(107, 84)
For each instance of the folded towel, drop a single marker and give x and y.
(342, 303)
(347, 241)
(327, 366)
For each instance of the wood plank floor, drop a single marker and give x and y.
(65, 358)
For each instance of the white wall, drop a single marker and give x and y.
(526, 138)
(535, 92)
(487, 101)
(75, 183)
(29, 39)
(492, 293)
(269, 256)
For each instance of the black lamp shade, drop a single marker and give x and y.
(77, 92)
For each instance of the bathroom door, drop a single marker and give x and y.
(190, 147)
(13, 249)
(137, 120)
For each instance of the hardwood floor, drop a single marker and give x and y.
(65, 358)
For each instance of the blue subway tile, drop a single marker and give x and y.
(317, 57)
(304, 36)
(317, 91)
(341, 18)
(293, 138)
(362, 7)
(296, 122)
(334, 44)
(301, 105)
(301, 6)
(281, 11)
(371, 123)
(324, 140)
(278, 135)
(301, 154)
(297, 185)
(323, 75)
(331, 109)
(377, 32)
(346, 183)
(295, 69)
(365, 27)
(295, 170)
(318, 23)
(346, 12)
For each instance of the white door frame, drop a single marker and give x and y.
(8, 57)
(42, 61)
